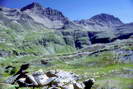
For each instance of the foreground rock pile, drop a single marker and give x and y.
(53, 79)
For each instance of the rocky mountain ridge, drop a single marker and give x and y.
(102, 28)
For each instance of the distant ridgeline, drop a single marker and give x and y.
(36, 30)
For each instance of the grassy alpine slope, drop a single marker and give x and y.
(47, 45)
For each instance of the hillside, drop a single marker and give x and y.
(99, 47)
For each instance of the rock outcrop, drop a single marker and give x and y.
(53, 79)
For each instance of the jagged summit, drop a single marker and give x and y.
(34, 5)
(54, 14)
(50, 13)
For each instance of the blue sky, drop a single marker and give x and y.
(82, 9)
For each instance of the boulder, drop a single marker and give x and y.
(69, 86)
(10, 69)
(22, 80)
(79, 86)
(40, 78)
(11, 79)
(54, 79)
(88, 83)
(20, 74)
(62, 75)
(32, 80)
(54, 88)
(51, 73)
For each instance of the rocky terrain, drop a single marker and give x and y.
(100, 47)
(53, 79)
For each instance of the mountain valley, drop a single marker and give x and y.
(100, 47)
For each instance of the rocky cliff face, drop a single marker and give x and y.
(50, 13)
(104, 28)
(124, 31)
(102, 20)
(49, 17)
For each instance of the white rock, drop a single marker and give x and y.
(79, 86)
(69, 86)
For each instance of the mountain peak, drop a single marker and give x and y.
(106, 19)
(33, 5)
(36, 4)
(102, 16)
